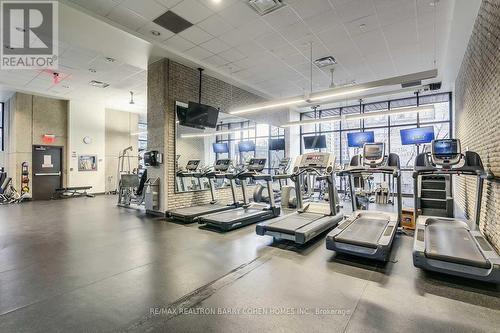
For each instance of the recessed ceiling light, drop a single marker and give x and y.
(155, 33)
(92, 70)
(109, 59)
(434, 3)
(362, 27)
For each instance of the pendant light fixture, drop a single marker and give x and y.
(131, 98)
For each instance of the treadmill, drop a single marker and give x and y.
(192, 213)
(314, 218)
(249, 213)
(368, 233)
(449, 245)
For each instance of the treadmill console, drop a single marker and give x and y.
(446, 152)
(222, 164)
(192, 165)
(256, 164)
(373, 154)
(315, 160)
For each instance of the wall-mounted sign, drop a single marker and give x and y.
(48, 138)
(87, 163)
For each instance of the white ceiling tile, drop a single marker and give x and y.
(254, 29)
(198, 53)
(353, 9)
(215, 5)
(295, 31)
(149, 9)
(310, 8)
(251, 49)
(102, 7)
(318, 48)
(362, 25)
(179, 43)
(216, 61)
(215, 25)
(271, 40)
(195, 35)
(164, 33)
(401, 33)
(238, 14)
(282, 17)
(323, 21)
(336, 38)
(294, 59)
(233, 38)
(127, 18)
(371, 42)
(192, 10)
(284, 51)
(390, 11)
(168, 3)
(215, 45)
(77, 58)
(232, 55)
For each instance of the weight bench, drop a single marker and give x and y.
(72, 192)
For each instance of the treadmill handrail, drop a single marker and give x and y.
(360, 170)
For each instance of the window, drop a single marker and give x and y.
(386, 128)
(261, 134)
(142, 142)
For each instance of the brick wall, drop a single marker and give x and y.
(169, 82)
(477, 104)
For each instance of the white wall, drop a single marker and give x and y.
(86, 119)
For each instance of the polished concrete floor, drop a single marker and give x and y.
(85, 265)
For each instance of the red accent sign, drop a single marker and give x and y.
(48, 138)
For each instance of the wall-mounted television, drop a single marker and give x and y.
(416, 136)
(277, 144)
(220, 148)
(358, 139)
(245, 146)
(315, 142)
(199, 116)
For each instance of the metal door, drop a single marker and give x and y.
(47, 171)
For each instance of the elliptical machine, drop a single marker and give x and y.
(286, 193)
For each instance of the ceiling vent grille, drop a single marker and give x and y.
(264, 7)
(98, 84)
(325, 61)
(173, 22)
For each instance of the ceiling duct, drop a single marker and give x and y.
(264, 7)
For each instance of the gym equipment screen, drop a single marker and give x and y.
(358, 139)
(277, 144)
(416, 136)
(315, 142)
(221, 148)
(244, 146)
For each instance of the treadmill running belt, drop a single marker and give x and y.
(231, 216)
(363, 231)
(198, 210)
(293, 222)
(452, 242)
